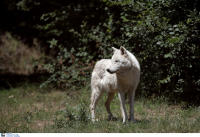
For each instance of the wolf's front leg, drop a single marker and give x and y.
(122, 102)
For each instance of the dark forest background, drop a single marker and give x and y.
(68, 37)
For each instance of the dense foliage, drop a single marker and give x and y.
(162, 34)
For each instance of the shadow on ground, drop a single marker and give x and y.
(10, 80)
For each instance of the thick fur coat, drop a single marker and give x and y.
(121, 75)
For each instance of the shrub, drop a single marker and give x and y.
(162, 34)
(73, 117)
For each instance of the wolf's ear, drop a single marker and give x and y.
(123, 51)
(114, 49)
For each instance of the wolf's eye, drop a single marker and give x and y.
(116, 61)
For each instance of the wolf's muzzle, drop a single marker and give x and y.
(108, 70)
(111, 72)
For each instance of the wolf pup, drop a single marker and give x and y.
(120, 74)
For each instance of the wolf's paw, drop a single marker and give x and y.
(94, 120)
(133, 121)
(112, 119)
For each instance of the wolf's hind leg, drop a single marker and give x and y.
(96, 95)
(107, 104)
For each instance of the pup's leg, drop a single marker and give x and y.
(107, 104)
(131, 96)
(96, 95)
(122, 102)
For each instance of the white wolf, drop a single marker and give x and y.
(119, 75)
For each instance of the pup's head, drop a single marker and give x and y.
(119, 61)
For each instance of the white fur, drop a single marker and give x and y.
(119, 75)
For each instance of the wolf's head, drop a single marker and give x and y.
(119, 61)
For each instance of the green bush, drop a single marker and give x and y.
(162, 34)
(73, 117)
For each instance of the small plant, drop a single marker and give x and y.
(73, 116)
(28, 116)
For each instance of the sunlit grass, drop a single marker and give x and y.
(31, 109)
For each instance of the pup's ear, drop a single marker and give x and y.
(114, 49)
(123, 51)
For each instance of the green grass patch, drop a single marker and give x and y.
(32, 109)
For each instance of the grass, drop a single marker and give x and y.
(31, 109)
